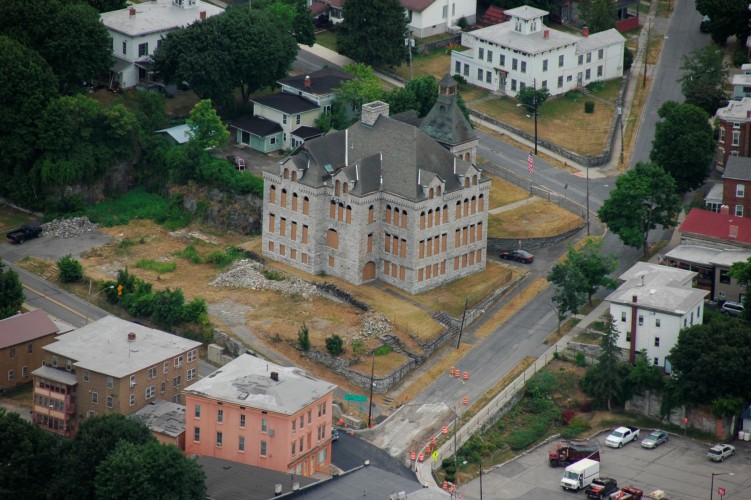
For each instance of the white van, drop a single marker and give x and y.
(580, 474)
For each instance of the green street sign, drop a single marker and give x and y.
(355, 397)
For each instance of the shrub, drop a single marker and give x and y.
(190, 253)
(272, 275)
(71, 270)
(335, 345)
(303, 337)
(567, 415)
(462, 22)
(573, 94)
(589, 107)
(460, 79)
(740, 58)
(358, 347)
(595, 86)
(159, 267)
(383, 350)
(580, 359)
(574, 428)
(628, 59)
(222, 258)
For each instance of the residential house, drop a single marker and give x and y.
(179, 134)
(652, 306)
(330, 10)
(109, 366)
(523, 52)
(742, 83)
(433, 17)
(627, 14)
(22, 338)
(165, 420)
(710, 243)
(734, 136)
(137, 31)
(379, 200)
(735, 179)
(258, 413)
(259, 133)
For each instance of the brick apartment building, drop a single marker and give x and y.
(109, 366)
(381, 200)
(734, 137)
(258, 413)
(22, 338)
(735, 179)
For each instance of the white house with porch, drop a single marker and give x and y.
(138, 30)
(431, 17)
(652, 306)
(522, 52)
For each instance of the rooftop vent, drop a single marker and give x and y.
(131, 337)
(202, 15)
(307, 82)
(275, 376)
(132, 11)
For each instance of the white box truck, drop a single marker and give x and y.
(580, 474)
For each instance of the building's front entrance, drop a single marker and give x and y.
(369, 271)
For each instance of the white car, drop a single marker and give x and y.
(720, 452)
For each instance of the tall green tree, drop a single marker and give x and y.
(206, 128)
(151, 470)
(365, 87)
(594, 267)
(598, 15)
(240, 49)
(68, 35)
(419, 94)
(569, 296)
(604, 380)
(704, 75)
(107, 5)
(373, 32)
(741, 271)
(294, 14)
(11, 292)
(684, 144)
(530, 96)
(643, 198)
(726, 18)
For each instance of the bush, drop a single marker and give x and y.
(595, 86)
(190, 253)
(575, 428)
(358, 347)
(303, 337)
(383, 350)
(580, 359)
(462, 22)
(335, 345)
(740, 58)
(272, 275)
(460, 79)
(567, 415)
(222, 258)
(628, 59)
(589, 107)
(159, 267)
(71, 271)
(573, 94)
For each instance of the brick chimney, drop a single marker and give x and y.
(307, 83)
(275, 376)
(372, 110)
(546, 34)
(585, 31)
(725, 209)
(132, 11)
(202, 15)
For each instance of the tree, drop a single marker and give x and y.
(598, 15)
(602, 380)
(710, 361)
(365, 87)
(167, 307)
(11, 292)
(70, 269)
(569, 296)
(30, 458)
(684, 144)
(107, 5)
(206, 128)
(28, 84)
(643, 198)
(741, 271)
(704, 75)
(726, 18)
(419, 94)
(335, 345)
(303, 337)
(240, 49)
(528, 96)
(594, 267)
(293, 14)
(80, 48)
(151, 470)
(97, 437)
(373, 32)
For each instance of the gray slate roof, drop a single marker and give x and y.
(164, 417)
(738, 168)
(389, 150)
(322, 82)
(600, 40)
(445, 121)
(286, 103)
(247, 381)
(256, 125)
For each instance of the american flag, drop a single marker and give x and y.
(530, 162)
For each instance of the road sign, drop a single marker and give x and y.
(721, 491)
(435, 456)
(355, 397)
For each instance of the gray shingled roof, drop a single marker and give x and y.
(600, 40)
(738, 168)
(446, 123)
(256, 125)
(389, 149)
(286, 103)
(322, 82)
(503, 34)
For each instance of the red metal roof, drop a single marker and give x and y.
(25, 327)
(725, 227)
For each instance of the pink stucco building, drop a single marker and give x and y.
(258, 413)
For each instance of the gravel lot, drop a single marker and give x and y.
(60, 238)
(679, 468)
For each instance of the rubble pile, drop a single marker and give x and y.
(68, 228)
(375, 323)
(249, 274)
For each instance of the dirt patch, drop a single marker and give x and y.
(534, 219)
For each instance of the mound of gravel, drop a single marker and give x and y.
(375, 323)
(249, 274)
(68, 228)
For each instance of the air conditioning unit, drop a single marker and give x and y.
(132, 383)
(271, 432)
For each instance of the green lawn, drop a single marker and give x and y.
(327, 39)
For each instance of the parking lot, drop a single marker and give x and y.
(680, 468)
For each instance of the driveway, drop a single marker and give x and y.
(679, 468)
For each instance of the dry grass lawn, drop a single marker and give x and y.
(532, 220)
(504, 193)
(436, 63)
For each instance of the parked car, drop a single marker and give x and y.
(704, 26)
(655, 439)
(517, 255)
(334, 434)
(28, 231)
(732, 308)
(601, 488)
(237, 161)
(720, 452)
(621, 436)
(627, 493)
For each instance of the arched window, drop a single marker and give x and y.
(332, 239)
(438, 216)
(340, 213)
(305, 205)
(474, 205)
(286, 173)
(337, 188)
(481, 203)
(422, 220)
(431, 193)
(371, 214)
(445, 214)
(430, 218)
(348, 219)
(438, 190)
(466, 207)
(458, 214)
(346, 187)
(294, 202)
(404, 219)
(294, 175)
(474, 180)
(396, 216)
(388, 214)
(332, 210)
(272, 194)
(284, 198)
(466, 182)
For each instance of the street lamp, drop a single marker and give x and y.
(711, 487)
(95, 296)
(587, 198)
(619, 108)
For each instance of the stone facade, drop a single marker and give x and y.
(380, 200)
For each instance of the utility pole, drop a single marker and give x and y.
(619, 108)
(534, 87)
(461, 329)
(559, 323)
(370, 401)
